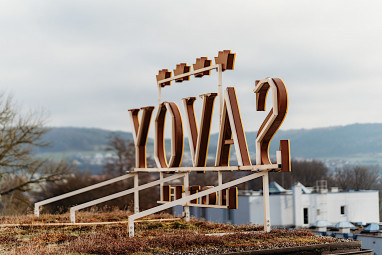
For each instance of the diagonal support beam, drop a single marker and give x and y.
(186, 199)
(120, 194)
(79, 191)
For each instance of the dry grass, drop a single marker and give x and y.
(177, 237)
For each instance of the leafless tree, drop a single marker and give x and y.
(20, 134)
(356, 177)
(125, 161)
(305, 171)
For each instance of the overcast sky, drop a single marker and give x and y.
(87, 62)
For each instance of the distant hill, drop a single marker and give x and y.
(64, 139)
(361, 143)
(342, 141)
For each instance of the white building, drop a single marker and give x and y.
(300, 207)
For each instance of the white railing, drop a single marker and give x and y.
(120, 194)
(79, 191)
(184, 200)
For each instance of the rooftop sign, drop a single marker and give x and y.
(231, 131)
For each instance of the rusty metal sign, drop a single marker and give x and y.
(231, 130)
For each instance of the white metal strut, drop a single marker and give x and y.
(79, 191)
(120, 194)
(186, 199)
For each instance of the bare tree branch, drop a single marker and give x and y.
(20, 134)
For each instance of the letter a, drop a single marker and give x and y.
(140, 132)
(231, 127)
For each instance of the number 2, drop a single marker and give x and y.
(273, 120)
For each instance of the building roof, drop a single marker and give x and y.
(304, 189)
(373, 227)
(274, 187)
(344, 224)
(323, 223)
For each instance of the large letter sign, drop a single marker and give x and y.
(231, 133)
(170, 169)
(231, 128)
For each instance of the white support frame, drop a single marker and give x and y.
(136, 194)
(186, 183)
(186, 199)
(213, 168)
(120, 194)
(267, 212)
(220, 182)
(218, 68)
(79, 191)
(183, 172)
(188, 74)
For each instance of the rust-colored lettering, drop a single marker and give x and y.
(231, 132)
(194, 190)
(176, 138)
(179, 190)
(166, 193)
(229, 197)
(212, 198)
(140, 132)
(198, 140)
(274, 119)
(285, 156)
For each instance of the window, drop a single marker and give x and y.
(306, 216)
(318, 211)
(342, 210)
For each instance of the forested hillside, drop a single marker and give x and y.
(356, 142)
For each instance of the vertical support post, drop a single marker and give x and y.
(161, 186)
(267, 214)
(278, 157)
(187, 193)
(72, 215)
(220, 92)
(36, 210)
(136, 193)
(159, 94)
(220, 182)
(131, 227)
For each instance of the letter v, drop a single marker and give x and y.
(140, 133)
(231, 125)
(198, 141)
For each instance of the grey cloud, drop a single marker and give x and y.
(87, 62)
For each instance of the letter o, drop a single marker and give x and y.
(176, 137)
